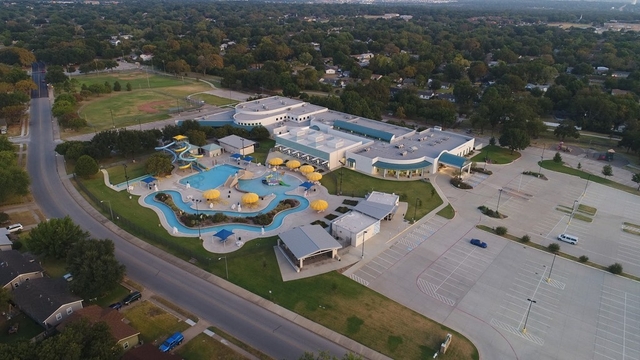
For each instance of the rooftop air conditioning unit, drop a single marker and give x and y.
(404, 153)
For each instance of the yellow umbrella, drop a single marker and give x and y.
(314, 176)
(250, 198)
(319, 205)
(275, 162)
(305, 169)
(211, 194)
(293, 164)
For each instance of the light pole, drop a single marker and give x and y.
(499, 195)
(197, 201)
(553, 262)
(585, 186)
(139, 124)
(126, 177)
(524, 328)
(573, 211)
(110, 208)
(541, 158)
(364, 238)
(226, 268)
(112, 121)
(242, 147)
(164, 69)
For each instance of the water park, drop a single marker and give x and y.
(232, 199)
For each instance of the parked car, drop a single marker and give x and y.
(15, 227)
(132, 297)
(173, 341)
(67, 277)
(478, 242)
(116, 306)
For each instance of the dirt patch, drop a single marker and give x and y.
(153, 107)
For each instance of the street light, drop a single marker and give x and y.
(541, 158)
(126, 177)
(197, 201)
(524, 328)
(553, 262)
(585, 186)
(499, 195)
(112, 121)
(110, 208)
(364, 238)
(226, 268)
(573, 211)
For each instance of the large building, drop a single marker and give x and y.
(331, 139)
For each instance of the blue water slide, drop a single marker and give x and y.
(167, 148)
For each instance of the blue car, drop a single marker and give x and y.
(116, 306)
(479, 243)
(173, 341)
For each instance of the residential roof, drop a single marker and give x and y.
(375, 210)
(211, 147)
(42, 296)
(4, 233)
(308, 240)
(395, 166)
(360, 129)
(453, 160)
(236, 141)
(12, 264)
(148, 352)
(94, 313)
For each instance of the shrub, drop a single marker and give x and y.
(553, 247)
(557, 158)
(579, 166)
(86, 166)
(492, 141)
(4, 217)
(460, 184)
(481, 170)
(615, 268)
(583, 258)
(525, 238)
(17, 245)
(501, 230)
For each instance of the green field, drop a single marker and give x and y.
(497, 155)
(447, 212)
(559, 167)
(154, 323)
(213, 100)
(149, 101)
(203, 347)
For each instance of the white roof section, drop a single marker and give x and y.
(4, 236)
(375, 210)
(327, 143)
(308, 240)
(274, 106)
(355, 221)
(236, 141)
(383, 198)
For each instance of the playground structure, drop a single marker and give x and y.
(274, 178)
(180, 150)
(562, 147)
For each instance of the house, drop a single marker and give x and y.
(146, 57)
(619, 92)
(47, 301)
(426, 94)
(376, 77)
(5, 242)
(125, 335)
(148, 352)
(330, 70)
(602, 70)
(448, 97)
(212, 150)
(15, 269)
(3, 126)
(621, 74)
(235, 144)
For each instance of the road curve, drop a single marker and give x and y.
(252, 324)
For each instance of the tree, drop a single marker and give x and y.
(86, 166)
(514, 139)
(615, 268)
(566, 128)
(259, 133)
(80, 340)
(129, 87)
(636, 179)
(607, 170)
(158, 164)
(54, 238)
(117, 86)
(464, 92)
(14, 180)
(557, 158)
(325, 355)
(94, 267)
(5, 296)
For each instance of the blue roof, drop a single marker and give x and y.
(453, 160)
(363, 130)
(148, 180)
(223, 234)
(394, 166)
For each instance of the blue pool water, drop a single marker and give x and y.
(210, 179)
(254, 185)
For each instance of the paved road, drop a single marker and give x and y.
(247, 321)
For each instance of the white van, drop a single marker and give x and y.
(568, 238)
(14, 228)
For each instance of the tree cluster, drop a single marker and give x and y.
(14, 180)
(15, 88)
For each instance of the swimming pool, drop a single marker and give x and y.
(254, 185)
(210, 179)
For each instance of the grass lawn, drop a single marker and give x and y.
(116, 173)
(240, 344)
(203, 347)
(558, 167)
(23, 217)
(497, 155)
(115, 295)
(447, 212)
(153, 323)
(137, 79)
(214, 100)
(53, 267)
(27, 329)
(414, 192)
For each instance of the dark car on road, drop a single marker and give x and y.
(132, 297)
(478, 242)
(116, 306)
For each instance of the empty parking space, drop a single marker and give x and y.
(451, 276)
(618, 329)
(629, 249)
(476, 179)
(404, 245)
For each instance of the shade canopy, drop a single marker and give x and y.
(148, 180)
(293, 164)
(305, 169)
(250, 198)
(211, 194)
(306, 185)
(275, 161)
(314, 176)
(236, 156)
(223, 234)
(319, 205)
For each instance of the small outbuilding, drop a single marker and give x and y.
(307, 243)
(235, 144)
(211, 150)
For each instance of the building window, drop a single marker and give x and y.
(125, 345)
(58, 316)
(69, 311)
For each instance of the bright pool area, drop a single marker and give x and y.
(253, 185)
(210, 179)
